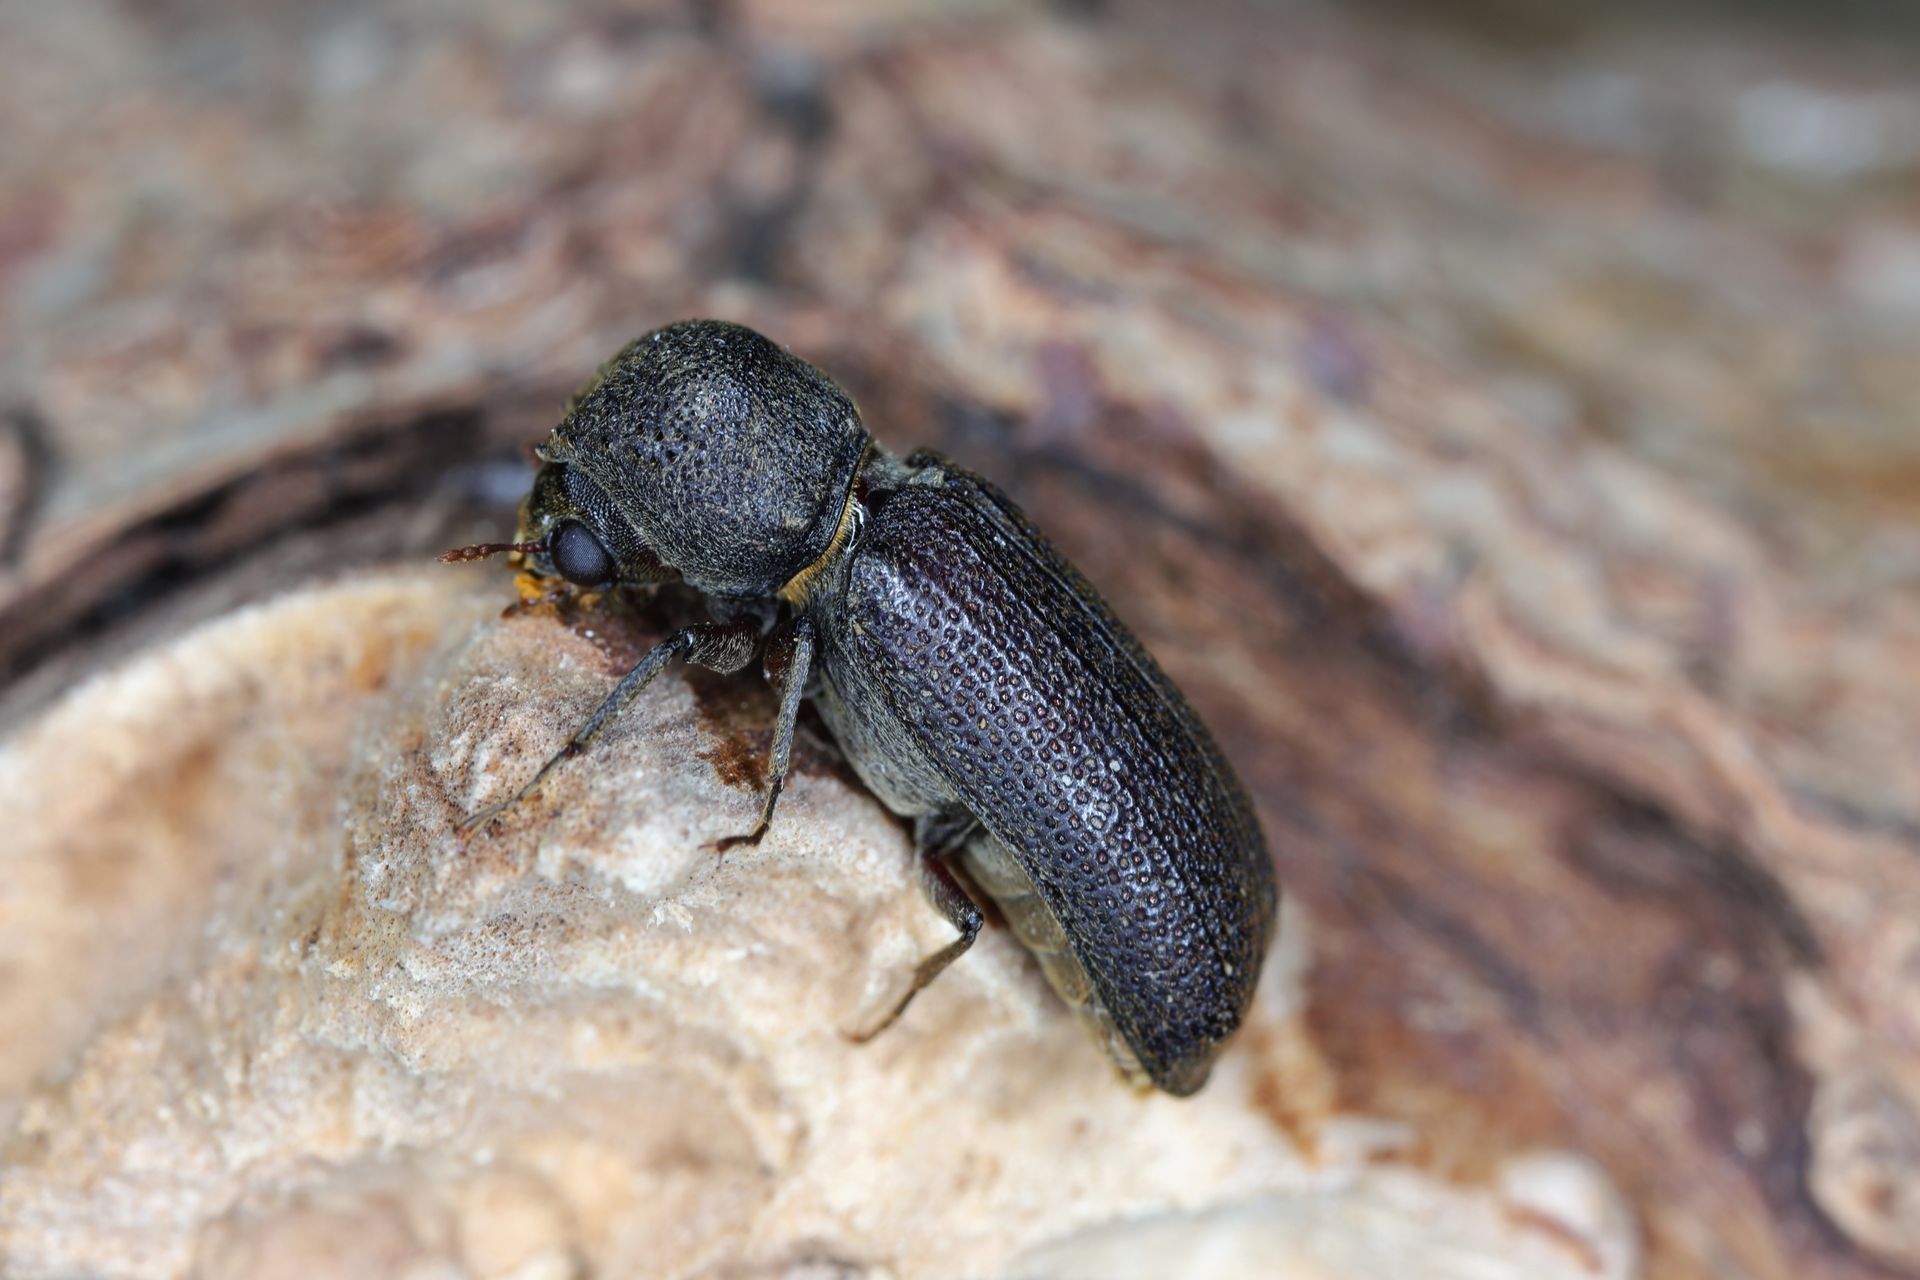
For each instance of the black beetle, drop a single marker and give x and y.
(974, 679)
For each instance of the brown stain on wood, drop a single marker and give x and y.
(740, 760)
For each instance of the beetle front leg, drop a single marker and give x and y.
(722, 646)
(934, 837)
(789, 662)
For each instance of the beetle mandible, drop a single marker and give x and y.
(974, 679)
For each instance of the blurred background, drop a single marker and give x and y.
(1503, 417)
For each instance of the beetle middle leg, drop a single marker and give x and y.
(934, 837)
(788, 664)
(725, 647)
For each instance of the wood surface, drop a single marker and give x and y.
(1510, 444)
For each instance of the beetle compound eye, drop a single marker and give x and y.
(578, 555)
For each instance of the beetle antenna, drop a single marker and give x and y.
(481, 550)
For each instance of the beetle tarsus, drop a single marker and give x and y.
(760, 826)
(482, 820)
(951, 899)
(494, 812)
(788, 663)
(723, 646)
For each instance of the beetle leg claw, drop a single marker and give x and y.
(760, 826)
(953, 902)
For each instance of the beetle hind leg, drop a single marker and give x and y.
(934, 837)
(991, 865)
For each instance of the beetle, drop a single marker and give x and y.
(977, 683)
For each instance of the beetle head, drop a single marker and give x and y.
(570, 530)
(706, 447)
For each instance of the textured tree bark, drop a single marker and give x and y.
(1511, 457)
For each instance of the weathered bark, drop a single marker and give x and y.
(1512, 458)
